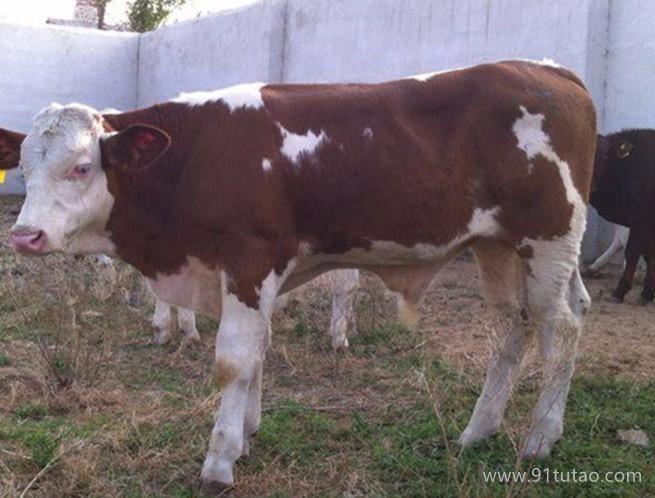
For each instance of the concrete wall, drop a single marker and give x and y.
(376, 40)
(212, 52)
(630, 98)
(40, 65)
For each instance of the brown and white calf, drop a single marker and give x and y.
(271, 185)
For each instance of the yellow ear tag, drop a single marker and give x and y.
(3, 173)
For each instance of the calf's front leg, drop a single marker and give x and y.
(241, 343)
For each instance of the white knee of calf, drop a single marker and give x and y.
(232, 368)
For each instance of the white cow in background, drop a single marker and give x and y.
(162, 317)
(618, 244)
(342, 284)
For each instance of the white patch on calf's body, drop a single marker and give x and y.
(367, 133)
(294, 145)
(534, 141)
(531, 137)
(194, 286)
(266, 165)
(543, 62)
(247, 95)
(423, 77)
(426, 76)
(483, 222)
(387, 252)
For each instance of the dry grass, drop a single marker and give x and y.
(91, 407)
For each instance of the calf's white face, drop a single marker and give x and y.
(68, 202)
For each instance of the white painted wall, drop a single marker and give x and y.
(40, 65)
(630, 99)
(377, 40)
(220, 50)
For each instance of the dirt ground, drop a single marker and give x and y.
(620, 337)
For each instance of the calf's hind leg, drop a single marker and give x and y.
(502, 278)
(558, 302)
(343, 285)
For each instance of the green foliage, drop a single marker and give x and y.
(294, 432)
(146, 15)
(42, 446)
(38, 434)
(30, 411)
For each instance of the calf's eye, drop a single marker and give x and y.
(80, 171)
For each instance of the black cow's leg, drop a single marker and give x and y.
(649, 255)
(632, 254)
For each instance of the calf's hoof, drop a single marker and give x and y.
(645, 300)
(215, 488)
(586, 271)
(536, 447)
(190, 337)
(160, 337)
(340, 344)
(615, 299)
(472, 435)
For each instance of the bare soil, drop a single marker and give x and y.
(618, 337)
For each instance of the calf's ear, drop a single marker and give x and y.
(10, 148)
(623, 149)
(136, 147)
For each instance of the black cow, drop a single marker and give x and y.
(623, 191)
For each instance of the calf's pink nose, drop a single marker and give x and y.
(29, 242)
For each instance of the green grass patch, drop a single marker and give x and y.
(30, 411)
(410, 456)
(295, 432)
